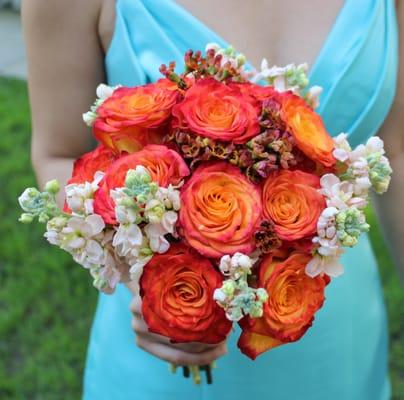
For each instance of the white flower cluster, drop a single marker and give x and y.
(290, 77)
(367, 165)
(142, 202)
(145, 213)
(343, 221)
(80, 197)
(235, 296)
(103, 92)
(84, 235)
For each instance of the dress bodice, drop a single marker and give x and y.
(344, 354)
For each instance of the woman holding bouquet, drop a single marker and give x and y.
(73, 46)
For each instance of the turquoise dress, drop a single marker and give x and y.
(344, 355)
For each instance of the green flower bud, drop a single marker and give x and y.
(379, 174)
(100, 283)
(146, 252)
(127, 202)
(228, 287)
(350, 225)
(57, 223)
(235, 314)
(43, 218)
(136, 177)
(230, 51)
(52, 187)
(262, 295)
(142, 198)
(153, 188)
(26, 218)
(241, 60)
(154, 211)
(256, 311)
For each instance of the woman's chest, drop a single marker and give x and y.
(283, 31)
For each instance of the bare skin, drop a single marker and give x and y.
(66, 43)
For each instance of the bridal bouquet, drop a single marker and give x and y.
(220, 191)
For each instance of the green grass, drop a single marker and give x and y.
(47, 302)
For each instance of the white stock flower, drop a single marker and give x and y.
(154, 211)
(168, 221)
(236, 265)
(125, 213)
(340, 194)
(89, 117)
(81, 238)
(342, 147)
(169, 196)
(313, 96)
(80, 197)
(155, 233)
(104, 91)
(328, 265)
(136, 268)
(241, 260)
(290, 77)
(326, 238)
(126, 238)
(219, 295)
(111, 275)
(225, 265)
(375, 145)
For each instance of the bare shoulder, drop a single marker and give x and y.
(60, 11)
(65, 64)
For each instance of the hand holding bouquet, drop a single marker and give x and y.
(227, 200)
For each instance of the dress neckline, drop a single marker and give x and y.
(194, 20)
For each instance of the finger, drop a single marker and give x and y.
(136, 306)
(141, 328)
(193, 347)
(179, 357)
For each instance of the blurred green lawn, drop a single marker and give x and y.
(47, 302)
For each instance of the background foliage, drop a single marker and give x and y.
(47, 302)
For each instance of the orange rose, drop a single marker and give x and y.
(177, 297)
(308, 130)
(220, 210)
(134, 117)
(218, 111)
(291, 201)
(88, 164)
(293, 300)
(164, 165)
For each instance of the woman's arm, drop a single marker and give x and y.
(390, 206)
(65, 65)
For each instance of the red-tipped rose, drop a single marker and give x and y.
(177, 293)
(218, 111)
(134, 117)
(164, 165)
(294, 298)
